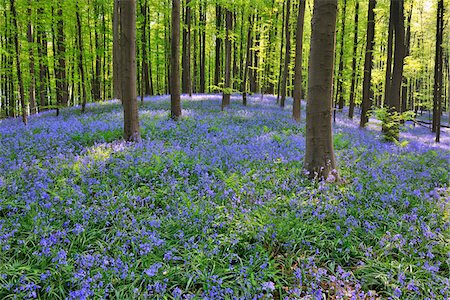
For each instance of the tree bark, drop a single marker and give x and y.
(287, 59)
(296, 112)
(319, 157)
(354, 67)
(247, 60)
(145, 80)
(186, 58)
(218, 73)
(116, 51)
(340, 79)
(128, 70)
(19, 71)
(438, 72)
(80, 59)
(32, 87)
(175, 86)
(61, 79)
(227, 83)
(368, 63)
(388, 75)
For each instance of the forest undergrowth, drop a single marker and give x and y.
(217, 206)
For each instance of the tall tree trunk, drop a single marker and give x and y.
(247, 59)
(280, 72)
(203, 47)
(227, 84)
(80, 58)
(32, 88)
(438, 72)
(19, 71)
(98, 61)
(354, 66)
(186, 58)
(388, 75)
(296, 112)
(340, 79)
(43, 62)
(217, 73)
(399, 55)
(287, 59)
(175, 86)
(368, 63)
(128, 69)
(407, 53)
(61, 79)
(117, 85)
(319, 157)
(145, 80)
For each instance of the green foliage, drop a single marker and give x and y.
(391, 122)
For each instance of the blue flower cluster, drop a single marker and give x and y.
(217, 206)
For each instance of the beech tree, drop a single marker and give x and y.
(227, 85)
(319, 157)
(368, 62)
(296, 112)
(128, 69)
(175, 85)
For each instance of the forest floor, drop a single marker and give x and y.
(216, 206)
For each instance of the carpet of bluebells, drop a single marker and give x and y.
(217, 206)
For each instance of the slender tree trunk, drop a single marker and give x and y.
(128, 69)
(296, 113)
(186, 58)
(368, 63)
(399, 55)
(61, 79)
(340, 79)
(280, 72)
(175, 85)
(32, 88)
(438, 72)
(227, 85)
(217, 73)
(319, 157)
(407, 53)
(388, 75)
(145, 80)
(247, 59)
(117, 85)
(203, 47)
(354, 66)
(80, 59)
(19, 71)
(287, 59)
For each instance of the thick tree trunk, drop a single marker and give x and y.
(319, 157)
(175, 86)
(128, 70)
(354, 67)
(80, 60)
(227, 84)
(287, 59)
(186, 59)
(399, 55)
(368, 63)
(296, 112)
